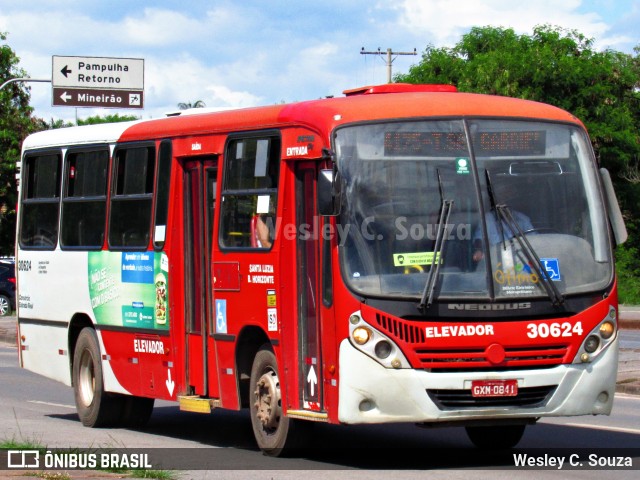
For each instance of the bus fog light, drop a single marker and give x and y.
(366, 405)
(383, 349)
(591, 344)
(396, 363)
(606, 330)
(584, 358)
(361, 335)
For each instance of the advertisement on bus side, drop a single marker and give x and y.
(129, 289)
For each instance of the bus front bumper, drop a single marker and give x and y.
(371, 393)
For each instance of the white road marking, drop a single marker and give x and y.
(62, 405)
(603, 427)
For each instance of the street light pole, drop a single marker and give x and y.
(13, 80)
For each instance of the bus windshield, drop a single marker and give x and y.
(396, 177)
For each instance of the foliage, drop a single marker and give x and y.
(14, 444)
(96, 119)
(553, 66)
(156, 474)
(16, 123)
(188, 105)
(107, 119)
(559, 67)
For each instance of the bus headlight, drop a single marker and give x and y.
(375, 344)
(383, 349)
(591, 344)
(361, 335)
(606, 330)
(598, 339)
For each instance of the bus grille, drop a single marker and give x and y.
(529, 397)
(402, 330)
(460, 359)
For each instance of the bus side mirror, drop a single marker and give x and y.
(615, 216)
(328, 193)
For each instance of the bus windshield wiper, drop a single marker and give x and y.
(503, 213)
(498, 213)
(438, 249)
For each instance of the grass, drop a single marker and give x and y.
(158, 474)
(52, 476)
(14, 444)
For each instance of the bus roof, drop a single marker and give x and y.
(85, 135)
(323, 115)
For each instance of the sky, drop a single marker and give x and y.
(242, 53)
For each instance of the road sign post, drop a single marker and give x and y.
(98, 82)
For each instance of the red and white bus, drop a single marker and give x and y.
(405, 253)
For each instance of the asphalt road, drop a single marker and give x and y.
(42, 411)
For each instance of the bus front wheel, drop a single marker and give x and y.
(496, 437)
(270, 427)
(96, 408)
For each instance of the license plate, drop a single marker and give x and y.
(494, 388)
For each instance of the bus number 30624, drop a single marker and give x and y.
(544, 330)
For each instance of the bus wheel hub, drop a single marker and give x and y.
(267, 405)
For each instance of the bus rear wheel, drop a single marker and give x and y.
(270, 426)
(96, 408)
(496, 437)
(136, 411)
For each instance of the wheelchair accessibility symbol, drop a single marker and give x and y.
(221, 316)
(552, 266)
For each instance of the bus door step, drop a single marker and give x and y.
(194, 403)
(308, 415)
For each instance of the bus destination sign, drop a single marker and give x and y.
(97, 82)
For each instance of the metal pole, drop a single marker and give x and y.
(13, 80)
(389, 58)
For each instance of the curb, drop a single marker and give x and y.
(628, 324)
(10, 337)
(628, 388)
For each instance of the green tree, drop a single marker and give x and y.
(562, 68)
(113, 118)
(187, 105)
(16, 123)
(554, 66)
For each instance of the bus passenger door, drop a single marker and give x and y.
(199, 206)
(309, 295)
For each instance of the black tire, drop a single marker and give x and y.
(96, 408)
(495, 437)
(136, 411)
(5, 306)
(273, 431)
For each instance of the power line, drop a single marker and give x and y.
(389, 54)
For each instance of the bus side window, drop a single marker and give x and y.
(250, 192)
(40, 201)
(131, 197)
(163, 181)
(84, 203)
